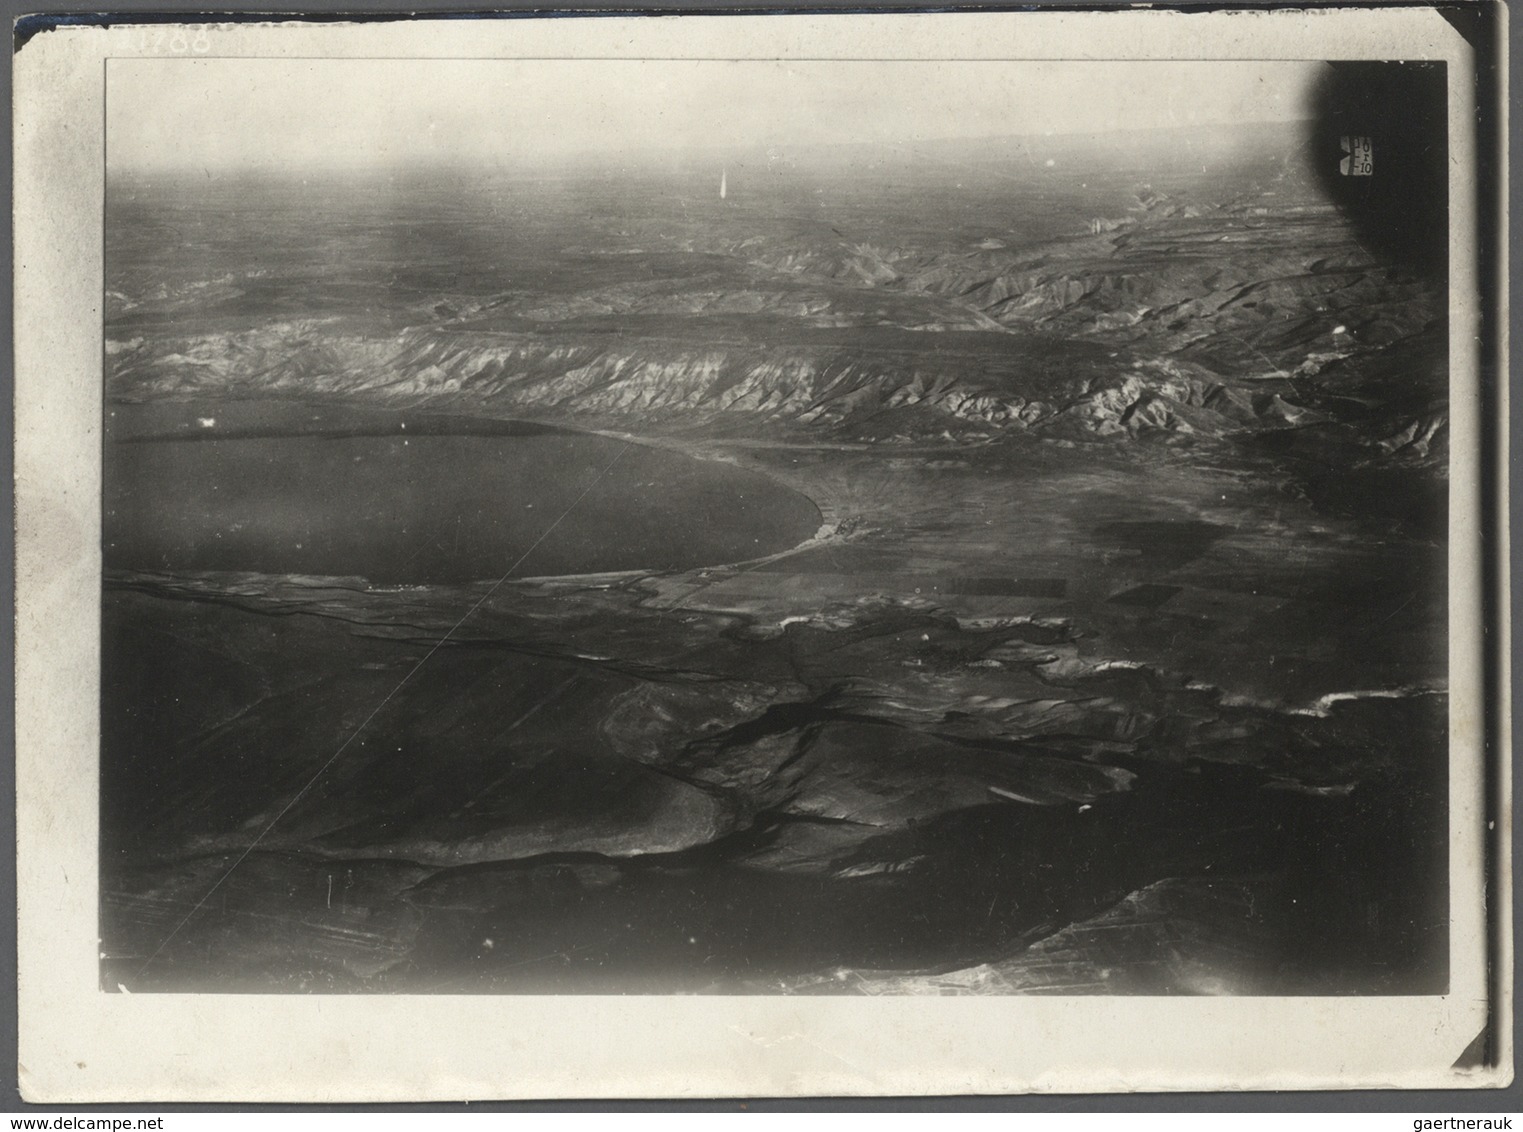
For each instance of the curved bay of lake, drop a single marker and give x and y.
(425, 500)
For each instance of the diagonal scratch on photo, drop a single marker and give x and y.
(751, 527)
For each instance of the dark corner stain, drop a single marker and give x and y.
(1379, 140)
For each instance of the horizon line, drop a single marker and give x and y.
(526, 160)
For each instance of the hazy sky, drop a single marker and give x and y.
(224, 114)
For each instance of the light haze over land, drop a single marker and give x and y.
(231, 115)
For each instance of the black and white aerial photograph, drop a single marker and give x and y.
(775, 527)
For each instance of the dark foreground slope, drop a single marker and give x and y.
(1116, 665)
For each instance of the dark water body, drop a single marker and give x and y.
(423, 505)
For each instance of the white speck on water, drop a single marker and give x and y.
(1340, 330)
(487, 945)
(1051, 162)
(206, 422)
